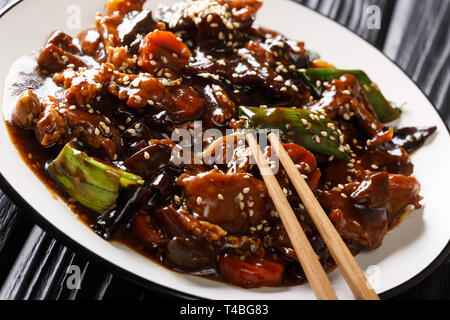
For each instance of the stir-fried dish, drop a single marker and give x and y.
(95, 117)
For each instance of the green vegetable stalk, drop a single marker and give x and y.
(384, 110)
(302, 126)
(91, 182)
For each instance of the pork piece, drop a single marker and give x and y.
(55, 122)
(286, 52)
(27, 109)
(181, 223)
(116, 53)
(93, 130)
(122, 30)
(82, 86)
(359, 211)
(65, 42)
(220, 108)
(190, 254)
(344, 99)
(92, 45)
(122, 7)
(395, 161)
(235, 202)
(107, 26)
(60, 52)
(51, 127)
(404, 192)
(55, 59)
(138, 91)
(306, 164)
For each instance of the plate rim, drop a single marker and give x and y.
(47, 226)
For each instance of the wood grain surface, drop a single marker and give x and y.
(414, 33)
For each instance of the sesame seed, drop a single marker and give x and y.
(199, 200)
(246, 190)
(374, 166)
(279, 79)
(97, 131)
(177, 199)
(220, 196)
(146, 155)
(343, 195)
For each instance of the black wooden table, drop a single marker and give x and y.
(414, 33)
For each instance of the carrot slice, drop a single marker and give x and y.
(162, 49)
(252, 273)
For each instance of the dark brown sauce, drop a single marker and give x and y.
(255, 85)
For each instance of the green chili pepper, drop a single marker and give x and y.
(91, 182)
(384, 110)
(303, 126)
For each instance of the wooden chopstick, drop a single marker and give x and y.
(309, 260)
(350, 269)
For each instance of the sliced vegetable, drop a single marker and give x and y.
(91, 182)
(410, 139)
(384, 110)
(162, 49)
(318, 135)
(252, 273)
(88, 195)
(121, 217)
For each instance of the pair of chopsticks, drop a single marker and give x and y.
(309, 260)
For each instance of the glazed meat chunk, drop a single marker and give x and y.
(83, 85)
(235, 202)
(28, 107)
(359, 210)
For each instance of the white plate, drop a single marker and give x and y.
(406, 252)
